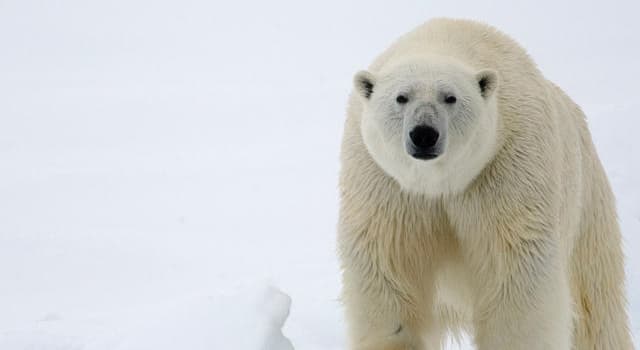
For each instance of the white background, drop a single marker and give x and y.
(160, 161)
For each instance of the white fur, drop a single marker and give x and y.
(509, 234)
(471, 124)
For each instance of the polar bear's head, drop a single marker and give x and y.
(429, 122)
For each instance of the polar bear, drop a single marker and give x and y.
(472, 199)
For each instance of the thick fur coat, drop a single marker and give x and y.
(518, 245)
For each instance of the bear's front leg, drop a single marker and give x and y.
(379, 316)
(524, 301)
(389, 255)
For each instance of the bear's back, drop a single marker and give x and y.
(473, 43)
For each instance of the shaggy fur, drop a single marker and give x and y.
(521, 248)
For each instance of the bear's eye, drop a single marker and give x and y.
(402, 99)
(450, 99)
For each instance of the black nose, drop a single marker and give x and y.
(423, 137)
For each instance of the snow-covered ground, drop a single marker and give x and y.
(163, 163)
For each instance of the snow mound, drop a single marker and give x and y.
(244, 320)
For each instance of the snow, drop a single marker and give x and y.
(162, 163)
(242, 320)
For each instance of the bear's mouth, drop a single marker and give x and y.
(422, 155)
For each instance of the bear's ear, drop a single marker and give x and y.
(364, 83)
(487, 81)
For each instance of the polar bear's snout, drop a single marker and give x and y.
(424, 131)
(422, 142)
